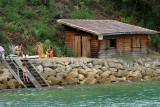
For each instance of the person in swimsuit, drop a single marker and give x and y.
(1, 52)
(18, 50)
(60, 85)
(24, 69)
(39, 49)
(49, 52)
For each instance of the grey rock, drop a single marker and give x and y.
(68, 68)
(58, 69)
(118, 66)
(39, 68)
(98, 62)
(111, 64)
(90, 65)
(47, 64)
(158, 71)
(147, 65)
(113, 69)
(97, 66)
(104, 68)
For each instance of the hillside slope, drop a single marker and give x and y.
(29, 21)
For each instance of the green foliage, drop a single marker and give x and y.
(30, 14)
(66, 52)
(155, 41)
(44, 31)
(82, 13)
(46, 45)
(2, 37)
(34, 32)
(129, 20)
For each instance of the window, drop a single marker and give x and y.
(111, 43)
(135, 42)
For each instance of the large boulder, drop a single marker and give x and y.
(92, 74)
(123, 79)
(104, 80)
(48, 64)
(137, 73)
(83, 72)
(3, 86)
(90, 80)
(150, 72)
(52, 80)
(73, 74)
(6, 75)
(113, 69)
(98, 62)
(59, 69)
(68, 68)
(118, 66)
(80, 77)
(89, 65)
(12, 83)
(104, 68)
(105, 74)
(98, 66)
(2, 66)
(158, 71)
(49, 72)
(111, 64)
(39, 68)
(147, 78)
(71, 80)
(60, 76)
(113, 78)
(119, 73)
(44, 75)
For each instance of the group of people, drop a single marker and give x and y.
(19, 52)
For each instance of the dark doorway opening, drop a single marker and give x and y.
(111, 43)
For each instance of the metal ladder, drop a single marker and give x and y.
(35, 73)
(16, 75)
(29, 75)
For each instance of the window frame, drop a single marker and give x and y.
(109, 43)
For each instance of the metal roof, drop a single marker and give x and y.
(105, 27)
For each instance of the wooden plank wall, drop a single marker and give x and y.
(123, 46)
(94, 47)
(89, 43)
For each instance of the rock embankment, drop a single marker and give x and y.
(98, 71)
(7, 81)
(90, 71)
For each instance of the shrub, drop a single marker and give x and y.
(30, 14)
(129, 20)
(66, 52)
(82, 13)
(34, 32)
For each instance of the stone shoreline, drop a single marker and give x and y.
(88, 71)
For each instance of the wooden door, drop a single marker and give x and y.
(86, 46)
(76, 45)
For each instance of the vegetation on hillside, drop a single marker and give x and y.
(29, 21)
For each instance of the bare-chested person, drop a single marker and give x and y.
(18, 50)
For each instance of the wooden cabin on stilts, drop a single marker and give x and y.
(105, 38)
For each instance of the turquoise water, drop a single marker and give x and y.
(139, 94)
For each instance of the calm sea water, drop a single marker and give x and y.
(139, 94)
